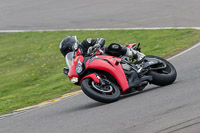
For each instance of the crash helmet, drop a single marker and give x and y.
(67, 44)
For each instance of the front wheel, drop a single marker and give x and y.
(103, 93)
(163, 76)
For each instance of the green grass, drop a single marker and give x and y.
(31, 63)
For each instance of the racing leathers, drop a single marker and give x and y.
(113, 49)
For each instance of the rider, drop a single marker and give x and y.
(67, 45)
(113, 49)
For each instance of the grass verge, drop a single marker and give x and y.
(31, 63)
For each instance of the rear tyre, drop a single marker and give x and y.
(105, 94)
(164, 76)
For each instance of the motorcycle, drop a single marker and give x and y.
(105, 78)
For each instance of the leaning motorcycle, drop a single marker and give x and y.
(104, 77)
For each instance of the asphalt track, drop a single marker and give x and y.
(174, 108)
(77, 14)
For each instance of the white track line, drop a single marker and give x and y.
(142, 28)
(185, 51)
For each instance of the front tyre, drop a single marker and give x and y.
(105, 94)
(164, 76)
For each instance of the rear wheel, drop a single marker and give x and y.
(163, 76)
(106, 93)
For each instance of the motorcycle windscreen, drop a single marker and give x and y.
(69, 58)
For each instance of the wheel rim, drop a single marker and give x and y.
(106, 89)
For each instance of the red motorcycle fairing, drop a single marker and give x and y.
(72, 71)
(109, 64)
(131, 45)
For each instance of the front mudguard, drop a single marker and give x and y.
(93, 76)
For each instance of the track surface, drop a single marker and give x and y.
(173, 108)
(75, 14)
